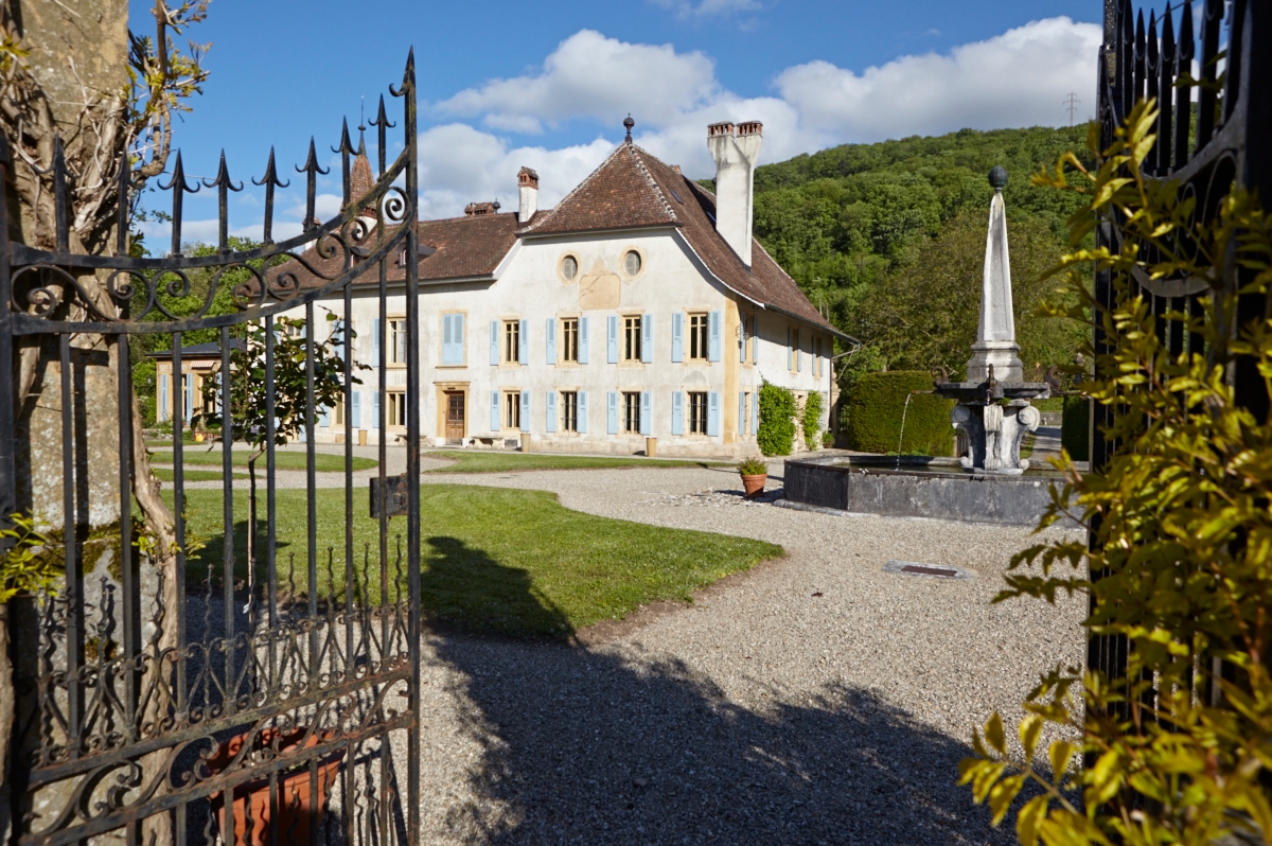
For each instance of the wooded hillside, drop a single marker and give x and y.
(888, 239)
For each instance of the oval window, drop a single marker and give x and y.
(632, 262)
(569, 267)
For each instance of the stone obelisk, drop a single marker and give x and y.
(996, 333)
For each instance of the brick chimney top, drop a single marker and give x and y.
(527, 178)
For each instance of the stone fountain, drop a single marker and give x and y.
(990, 484)
(994, 409)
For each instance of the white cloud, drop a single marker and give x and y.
(708, 8)
(1015, 79)
(591, 76)
(460, 164)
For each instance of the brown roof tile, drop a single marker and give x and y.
(618, 194)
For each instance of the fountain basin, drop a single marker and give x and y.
(938, 488)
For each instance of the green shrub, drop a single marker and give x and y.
(828, 439)
(777, 420)
(812, 419)
(876, 406)
(1075, 428)
(752, 467)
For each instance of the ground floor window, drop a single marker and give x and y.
(397, 408)
(631, 412)
(697, 412)
(337, 413)
(512, 410)
(569, 411)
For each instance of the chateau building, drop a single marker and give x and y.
(639, 307)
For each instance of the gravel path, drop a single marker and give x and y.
(814, 700)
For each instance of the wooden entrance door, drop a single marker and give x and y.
(454, 415)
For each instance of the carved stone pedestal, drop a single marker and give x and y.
(995, 432)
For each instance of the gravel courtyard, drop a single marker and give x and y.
(816, 699)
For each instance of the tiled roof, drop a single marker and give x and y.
(634, 189)
(618, 194)
(466, 247)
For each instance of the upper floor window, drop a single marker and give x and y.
(511, 341)
(397, 340)
(699, 328)
(570, 339)
(632, 263)
(631, 338)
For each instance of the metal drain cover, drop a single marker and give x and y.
(931, 571)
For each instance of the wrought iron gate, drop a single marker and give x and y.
(1208, 146)
(178, 695)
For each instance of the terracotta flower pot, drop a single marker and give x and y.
(754, 485)
(294, 797)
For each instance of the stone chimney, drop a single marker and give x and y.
(528, 187)
(735, 150)
(479, 209)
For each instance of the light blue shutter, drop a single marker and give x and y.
(755, 339)
(612, 339)
(647, 338)
(550, 334)
(755, 413)
(646, 414)
(448, 339)
(799, 355)
(525, 411)
(189, 396)
(375, 410)
(713, 414)
(494, 343)
(611, 422)
(582, 412)
(523, 348)
(375, 340)
(790, 363)
(495, 422)
(551, 427)
(713, 342)
(324, 416)
(355, 410)
(677, 412)
(741, 410)
(677, 338)
(163, 398)
(457, 339)
(582, 341)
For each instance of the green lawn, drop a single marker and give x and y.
(504, 561)
(323, 462)
(472, 461)
(166, 474)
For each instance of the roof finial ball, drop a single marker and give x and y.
(629, 123)
(998, 177)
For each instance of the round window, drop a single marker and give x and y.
(632, 262)
(569, 267)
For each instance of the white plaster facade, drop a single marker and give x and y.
(747, 342)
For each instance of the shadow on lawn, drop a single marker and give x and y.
(580, 745)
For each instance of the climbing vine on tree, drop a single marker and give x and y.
(1180, 747)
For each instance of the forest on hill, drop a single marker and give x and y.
(888, 240)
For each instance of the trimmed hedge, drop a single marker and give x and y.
(874, 415)
(1075, 428)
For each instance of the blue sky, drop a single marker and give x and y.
(547, 84)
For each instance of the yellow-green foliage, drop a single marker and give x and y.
(1178, 752)
(877, 404)
(28, 564)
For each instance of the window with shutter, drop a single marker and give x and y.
(713, 414)
(524, 357)
(646, 413)
(677, 338)
(551, 409)
(677, 412)
(581, 420)
(611, 417)
(611, 339)
(583, 343)
(713, 353)
(647, 339)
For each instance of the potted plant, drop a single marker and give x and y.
(754, 473)
(294, 801)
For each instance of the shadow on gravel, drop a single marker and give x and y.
(583, 747)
